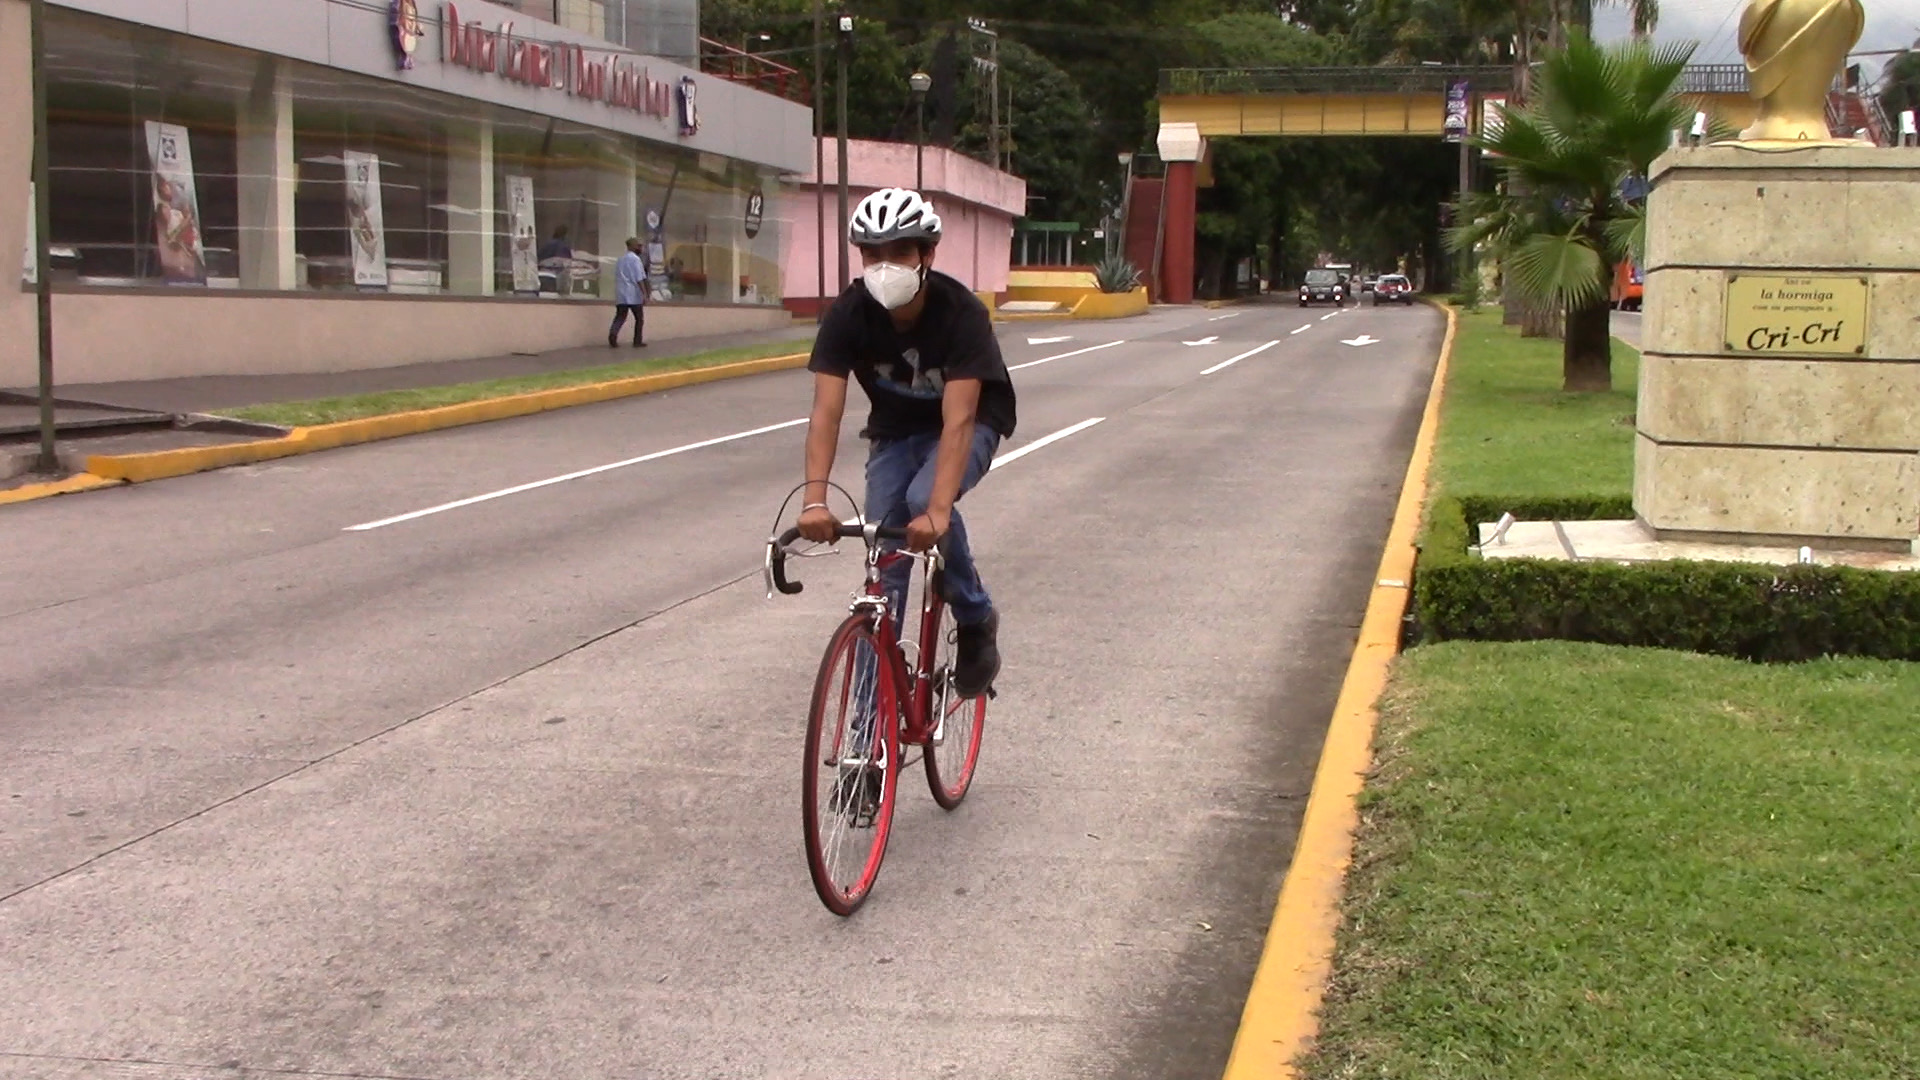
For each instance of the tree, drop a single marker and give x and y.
(1599, 114)
(1901, 82)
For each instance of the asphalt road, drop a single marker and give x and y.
(509, 789)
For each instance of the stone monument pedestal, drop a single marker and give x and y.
(1780, 383)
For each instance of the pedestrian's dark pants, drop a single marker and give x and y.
(620, 319)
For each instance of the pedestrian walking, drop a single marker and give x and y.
(629, 295)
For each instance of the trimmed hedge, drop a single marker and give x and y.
(1766, 613)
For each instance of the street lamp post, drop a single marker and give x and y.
(1126, 197)
(920, 82)
(42, 200)
(845, 24)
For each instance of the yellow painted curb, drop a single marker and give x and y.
(30, 492)
(1281, 1015)
(138, 468)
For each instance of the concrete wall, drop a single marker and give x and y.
(109, 336)
(977, 206)
(18, 348)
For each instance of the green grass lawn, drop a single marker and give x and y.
(1507, 429)
(331, 410)
(1592, 862)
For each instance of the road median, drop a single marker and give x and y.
(138, 468)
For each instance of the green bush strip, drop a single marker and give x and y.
(1580, 863)
(385, 403)
(1509, 443)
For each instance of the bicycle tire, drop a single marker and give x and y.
(952, 762)
(838, 815)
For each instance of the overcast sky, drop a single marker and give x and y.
(1715, 24)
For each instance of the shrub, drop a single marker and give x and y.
(1755, 612)
(1116, 275)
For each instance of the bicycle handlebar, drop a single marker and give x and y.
(777, 550)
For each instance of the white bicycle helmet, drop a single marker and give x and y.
(893, 214)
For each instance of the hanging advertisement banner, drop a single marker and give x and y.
(1459, 94)
(1492, 118)
(524, 243)
(176, 206)
(366, 227)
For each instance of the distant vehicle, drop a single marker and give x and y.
(1368, 281)
(1323, 285)
(1627, 286)
(1392, 289)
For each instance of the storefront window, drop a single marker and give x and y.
(177, 162)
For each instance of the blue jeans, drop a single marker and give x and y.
(899, 485)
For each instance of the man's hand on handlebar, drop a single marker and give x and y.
(819, 525)
(926, 530)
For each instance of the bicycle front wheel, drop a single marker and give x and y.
(953, 750)
(849, 776)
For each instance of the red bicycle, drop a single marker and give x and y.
(876, 694)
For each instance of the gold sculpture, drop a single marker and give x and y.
(1794, 48)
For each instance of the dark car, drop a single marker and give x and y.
(1323, 287)
(1392, 289)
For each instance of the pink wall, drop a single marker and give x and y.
(977, 206)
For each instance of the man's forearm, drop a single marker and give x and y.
(950, 465)
(823, 437)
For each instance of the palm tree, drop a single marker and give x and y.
(1598, 115)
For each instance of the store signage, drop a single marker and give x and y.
(403, 24)
(1458, 96)
(1796, 316)
(756, 212)
(568, 69)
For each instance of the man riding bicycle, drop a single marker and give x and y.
(922, 346)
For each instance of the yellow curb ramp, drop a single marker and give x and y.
(139, 468)
(1281, 1015)
(30, 492)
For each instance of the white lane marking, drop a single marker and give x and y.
(1363, 339)
(1227, 363)
(1217, 318)
(1203, 341)
(1301, 330)
(517, 489)
(1328, 315)
(1064, 355)
(1048, 340)
(1016, 455)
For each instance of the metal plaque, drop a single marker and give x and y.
(1778, 315)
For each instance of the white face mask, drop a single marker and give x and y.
(893, 285)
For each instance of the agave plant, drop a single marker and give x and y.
(1599, 114)
(1116, 275)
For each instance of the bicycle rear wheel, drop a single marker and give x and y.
(953, 752)
(849, 776)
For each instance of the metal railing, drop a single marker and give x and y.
(1423, 78)
(738, 65)
(1416, 79)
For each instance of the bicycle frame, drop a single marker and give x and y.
(918, 720)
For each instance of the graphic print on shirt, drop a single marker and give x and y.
(905, 378)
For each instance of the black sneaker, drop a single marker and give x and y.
(979, 657)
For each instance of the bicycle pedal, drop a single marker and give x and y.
(992, 694)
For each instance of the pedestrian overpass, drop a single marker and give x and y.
(1199, 104)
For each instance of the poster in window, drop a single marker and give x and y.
(176, 206)
(30, 266)
(366, 228)
(524, 244)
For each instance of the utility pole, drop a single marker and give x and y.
(819, 147)
(979, 26)
(42, 225)
(846, 48)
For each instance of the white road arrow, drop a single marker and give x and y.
(1363, 339)
(1048, 340)
(1202, 341)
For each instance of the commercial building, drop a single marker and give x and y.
(250, 186)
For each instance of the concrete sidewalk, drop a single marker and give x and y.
(213, 393)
